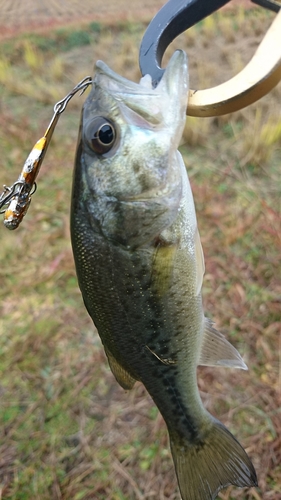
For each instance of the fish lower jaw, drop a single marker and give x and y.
(152, 195)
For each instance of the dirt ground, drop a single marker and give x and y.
(17, 17)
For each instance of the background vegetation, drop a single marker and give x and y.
(67, 429)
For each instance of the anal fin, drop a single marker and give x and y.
(217, 351)
(122, 376)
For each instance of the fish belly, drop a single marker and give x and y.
(150, 321)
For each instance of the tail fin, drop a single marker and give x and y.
(203, 469)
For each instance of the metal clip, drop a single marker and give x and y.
(260, 75)
(18, 196)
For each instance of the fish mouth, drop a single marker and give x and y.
(113, 82)
(134, 99)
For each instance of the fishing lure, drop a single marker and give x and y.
(16, 199)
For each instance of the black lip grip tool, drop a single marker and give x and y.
(261, 74)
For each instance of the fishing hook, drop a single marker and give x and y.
(8, 194)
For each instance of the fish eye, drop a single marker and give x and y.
(101, 135)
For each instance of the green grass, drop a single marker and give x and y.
(67, 429)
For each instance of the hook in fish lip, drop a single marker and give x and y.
(84, 84)
(81, 86)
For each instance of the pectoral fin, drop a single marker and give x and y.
(200, 264)
(122, 376)
(163, 268)
(217, 351)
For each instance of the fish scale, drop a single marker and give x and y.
(140, 267)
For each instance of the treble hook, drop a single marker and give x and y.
(260, 75)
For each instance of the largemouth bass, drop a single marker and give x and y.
(140, 266)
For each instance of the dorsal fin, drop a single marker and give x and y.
(217, 351)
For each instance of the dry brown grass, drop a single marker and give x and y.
(18, 17)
